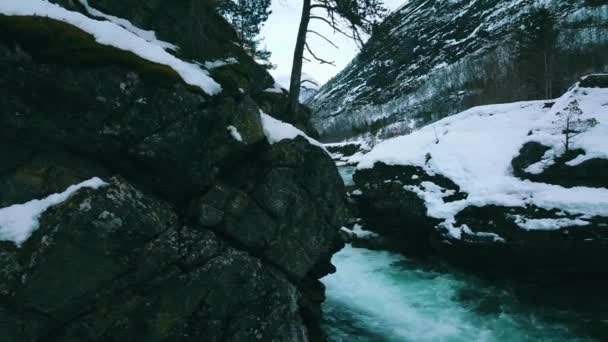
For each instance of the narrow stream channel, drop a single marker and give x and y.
(383, 296)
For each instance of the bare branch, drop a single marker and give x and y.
(323, 37)
(318, 59)
(309, 81)
(333, 26)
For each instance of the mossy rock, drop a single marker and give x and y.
(58, 42)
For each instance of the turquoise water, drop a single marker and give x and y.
(347, 174)
(381, 296)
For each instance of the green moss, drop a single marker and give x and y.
(57, 42)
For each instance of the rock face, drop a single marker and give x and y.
(197, 236)
(433, 58)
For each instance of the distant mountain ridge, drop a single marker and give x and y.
(432, 58)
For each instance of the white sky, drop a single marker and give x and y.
(280, 35)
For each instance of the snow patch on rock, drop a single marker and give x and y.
(234, 133)
(19, 221)
(149, 36)
(276, 130)
(112, 34)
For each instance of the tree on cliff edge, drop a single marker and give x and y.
(351, 18)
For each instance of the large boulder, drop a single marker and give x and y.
(115, 264)
(143, 120)
(279, 207)
(199, 206)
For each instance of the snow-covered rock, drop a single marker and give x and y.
(277, 130)
(460, 180)
(119, 34)
(19, 221)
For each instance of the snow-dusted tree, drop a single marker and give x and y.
(247, 17)
(352, 18)
(572, 124)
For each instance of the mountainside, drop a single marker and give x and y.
(432, 58)
(144, 193)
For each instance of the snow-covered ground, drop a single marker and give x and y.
(118, 33)
(475, 150)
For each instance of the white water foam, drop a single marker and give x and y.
(380, 296)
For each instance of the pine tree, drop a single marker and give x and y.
(248, 17)
(571, 124)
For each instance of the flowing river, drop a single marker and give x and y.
(383, 296)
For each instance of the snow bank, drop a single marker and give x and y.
(476, 147)
(112, 33)
(276, 130)
(19, 221)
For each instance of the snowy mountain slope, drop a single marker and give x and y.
(465, 171)
(432, 58)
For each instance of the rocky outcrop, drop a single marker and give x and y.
(197, 235)
(559, 172)
(116, 264)
(394, 212)
(493, 240)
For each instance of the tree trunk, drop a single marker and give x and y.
(298, 58)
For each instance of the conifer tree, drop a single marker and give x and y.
(248, 17)
(572, 124)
